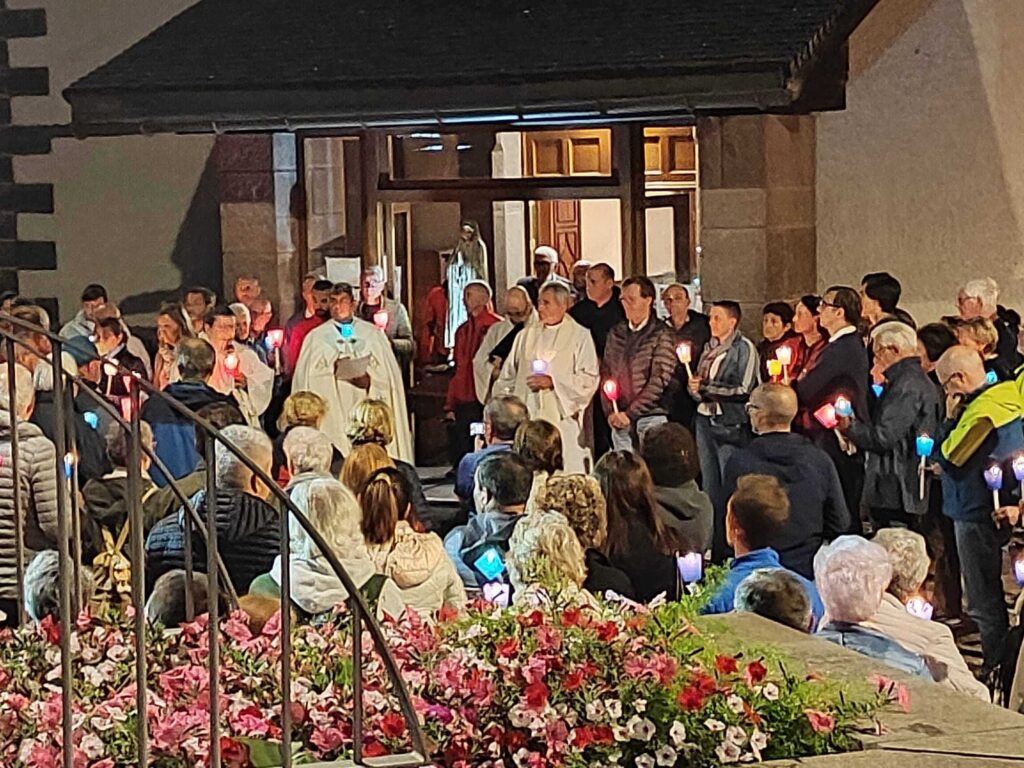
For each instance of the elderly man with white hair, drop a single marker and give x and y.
(496, 345)
(852, 575)
(909, 559)
(388, 314)
(309, 454)
(42, 586)
(553, 368)
(248, 528)
(243, 330)
(980, 298)
(910, 408)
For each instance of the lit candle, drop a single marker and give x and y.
(784, 355)
(127, 381)
(1018, 472)
(994, 480)
(774, 369)
(539, 367)
(92, 419)
(1018, 572)
(844, 408)
(877, 389)
(110, 369)
(691, 567)
(684, 351)
(826, 416)
(918, 606)
(925, 446)
(611, 391)
(231, 363)
(275, 339)
(69, 465)
(380, 319)
(991, 377)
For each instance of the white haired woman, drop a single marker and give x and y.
(334, 513)
(545, 560)
(909, 560)
(852, 574)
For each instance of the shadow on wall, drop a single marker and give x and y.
(197, 249)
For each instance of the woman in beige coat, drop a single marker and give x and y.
(416, 562)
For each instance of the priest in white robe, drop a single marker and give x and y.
(553, 368)
(239, 370)
(347, 360)
(497, 342)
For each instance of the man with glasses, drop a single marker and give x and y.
(982, 430)
(840, 370)
(910, 407)
(818, 510)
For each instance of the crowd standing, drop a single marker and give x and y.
(603, 437)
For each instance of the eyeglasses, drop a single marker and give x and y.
(751, 407)
(827, 304)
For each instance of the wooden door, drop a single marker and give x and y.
(558, 225)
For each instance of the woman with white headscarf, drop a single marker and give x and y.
(334, 513)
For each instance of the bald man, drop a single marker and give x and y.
(818, 511)
(982, 430)
(497, 343)
(461, 406)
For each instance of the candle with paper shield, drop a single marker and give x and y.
(784, 355)
(684, 351)
(126, 408)
(380, 319)
(918, 606)
(877, 389)
(69, 465)
(994, 481)
(774, 369)
(925, 446)
(539, 367)
(611, 391)
(691, 567)
(275, 340)
(844, 408)
(1018, 471)
(231, 363)
(1018, 571)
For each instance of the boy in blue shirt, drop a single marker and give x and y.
(755, 512)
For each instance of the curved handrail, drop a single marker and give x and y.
(358, 606)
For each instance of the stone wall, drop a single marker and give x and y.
(756, 209)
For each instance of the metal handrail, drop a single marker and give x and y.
(359, 609)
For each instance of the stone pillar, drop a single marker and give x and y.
(756, 209)
(260, 214)
(509, 217)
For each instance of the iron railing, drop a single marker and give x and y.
(13, 330)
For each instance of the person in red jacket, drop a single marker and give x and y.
(314, 315)
(430, 348)
(461, 405)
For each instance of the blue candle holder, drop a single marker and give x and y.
(925, 445)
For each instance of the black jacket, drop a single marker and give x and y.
(599, 320)
(248, 539)
(697, 331)
(92, 449)
(908, 407)
(642, 362)
(841, 369)
(602, 576)
(817, 509)
(650, 571)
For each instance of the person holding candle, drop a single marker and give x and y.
(239, 372)
(776, 333)
(461, 405)
(562, 393)
(497, 342)
(980, 298)
(171, 327)
(388, 314)
(812, 340)
(818, 511)
(933, 639)
(330, 364)
(721, 386)
(841, 369)
(692, 329)
(640, 357)
(110, 344)
(243, 328)
(980, 333)
(910, 408)
(756, 511)
(982, 429)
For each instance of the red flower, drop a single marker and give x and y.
(691, 699)
(571, 617)
(755, 673)
(51, 630)
(636, 623)
(603, 734)
(447, 614)
(752, 717)
(704, 683)
(392, 725)
(514, 741)
(536, 695)
(582, 737)
(373, 748)
(507, 648)
(232, 753)
(574, 680)
(607, 632)
(820, 722)
(726, 665)
(532, 619)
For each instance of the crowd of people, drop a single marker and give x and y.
(604, 437)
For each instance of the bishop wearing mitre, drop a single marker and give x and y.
(553, 368)
(347, 360)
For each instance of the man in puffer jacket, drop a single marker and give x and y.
(37, 468)
(639, 357)
(248, 528)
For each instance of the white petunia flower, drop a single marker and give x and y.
(641, 728)
(758, 741)
(735, 703)
(644, 761)
(93, 746)
(666, 756)
(771, 692)
(640, 705)
(736, 735)
(614, 708)
(713, 725)
(595, 710)
(519, 717)
(728, 753)
(677, 733)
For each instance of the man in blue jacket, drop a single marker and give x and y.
(756, 511)
(982, 430)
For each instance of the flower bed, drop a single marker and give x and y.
(572, 683)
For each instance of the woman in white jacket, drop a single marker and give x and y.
(416, 562)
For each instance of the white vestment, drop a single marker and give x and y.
(482, 366)
(568, 350)
(254, 397)
(314, 371)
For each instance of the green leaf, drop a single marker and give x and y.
(265, 753)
